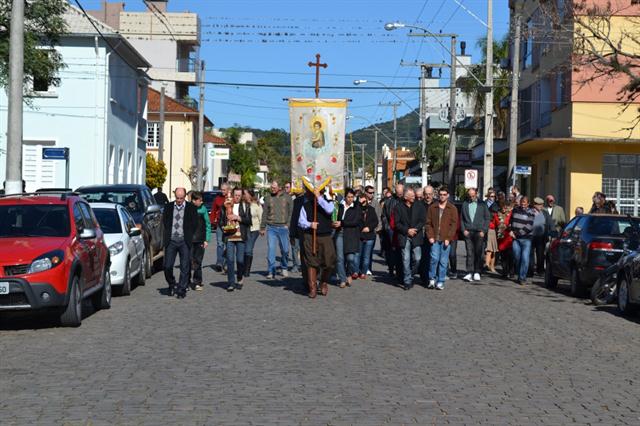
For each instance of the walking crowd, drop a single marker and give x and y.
(330, 238)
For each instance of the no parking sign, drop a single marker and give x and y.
(470, 178)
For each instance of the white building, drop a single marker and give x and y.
(170, 41)
(98, 112)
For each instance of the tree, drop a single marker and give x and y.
(273, 149)
(156, 172)
(437, 147)
(44, 25)
(500, 90)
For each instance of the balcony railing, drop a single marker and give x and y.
(186, 65)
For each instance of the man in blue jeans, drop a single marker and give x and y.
(276, 216)
(214, 218)
(442, 225)
(521, 229)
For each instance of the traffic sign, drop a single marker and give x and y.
(470, 178)
(55, 153)
(523, 170)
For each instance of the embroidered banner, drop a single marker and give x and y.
(317, 142)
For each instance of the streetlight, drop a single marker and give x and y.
(390, 26)
(359, 82)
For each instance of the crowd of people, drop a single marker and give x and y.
(330, 238)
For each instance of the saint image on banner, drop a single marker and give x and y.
(317, 142)
(317, 135)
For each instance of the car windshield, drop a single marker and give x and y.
(129, 199)
(108, 220)
(40, 220)
(607, 225)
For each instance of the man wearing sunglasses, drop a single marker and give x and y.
(370, 193)
(557, 214)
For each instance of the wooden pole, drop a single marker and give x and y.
(315, 219)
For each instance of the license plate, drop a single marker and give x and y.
(4, 288)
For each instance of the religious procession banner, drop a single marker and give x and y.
(317, 143)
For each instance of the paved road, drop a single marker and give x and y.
(373, 354)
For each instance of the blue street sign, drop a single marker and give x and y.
(55, 153)
(523, 170)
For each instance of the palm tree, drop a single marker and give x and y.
(501, 90)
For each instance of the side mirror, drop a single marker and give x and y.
(153, 208)
(134, 232)
(87, 234)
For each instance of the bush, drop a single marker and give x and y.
(156, 172)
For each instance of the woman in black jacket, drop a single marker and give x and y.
(347, 238)
(240, 218)
(367, 235)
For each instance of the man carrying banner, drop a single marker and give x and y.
(319, 252)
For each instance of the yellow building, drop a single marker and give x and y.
(180, 136)
(575, 135)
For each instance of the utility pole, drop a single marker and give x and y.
(14, 121)
(375, 157)
(200, 147)
(395, 106)
(515, 83)
(488, 108)
(424, 164)
(452, 118)
(161, 126)
(361, 146)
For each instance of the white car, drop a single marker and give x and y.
(125, 243)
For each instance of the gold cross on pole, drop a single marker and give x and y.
(317, 64)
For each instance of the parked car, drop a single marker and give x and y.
(587, 246)
(139, 202)
(126, 246)
(208, 197)
(52, 256)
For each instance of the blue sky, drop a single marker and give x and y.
(349, 35)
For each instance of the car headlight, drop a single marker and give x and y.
(116, 248)
(46, 261)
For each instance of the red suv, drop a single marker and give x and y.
(52, 256)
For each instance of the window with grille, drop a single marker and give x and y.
(620, 181)
(153, 135)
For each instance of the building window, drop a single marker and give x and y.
(620, 182)
(545, 103)
(112, 165)
(562, 182)
(153, 135)
(527, 46)
(129, 168)
(120, 166)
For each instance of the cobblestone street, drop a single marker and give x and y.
(372, 354)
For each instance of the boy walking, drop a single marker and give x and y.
(200, 239)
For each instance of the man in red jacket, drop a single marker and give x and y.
(214, 218)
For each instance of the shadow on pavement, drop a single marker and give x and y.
(613, 310)
(37, 320)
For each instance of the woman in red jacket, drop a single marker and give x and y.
(501, 223)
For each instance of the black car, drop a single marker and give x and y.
(587, 246)
(139, 201)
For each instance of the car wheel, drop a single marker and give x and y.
(577, 290)
(141, 278)
(72, 314)
(125, 288)
(550, 281)
(148, 264)
(102, 299)
(624, 306)
(602, 294)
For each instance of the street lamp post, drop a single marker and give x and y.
(454, 60)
